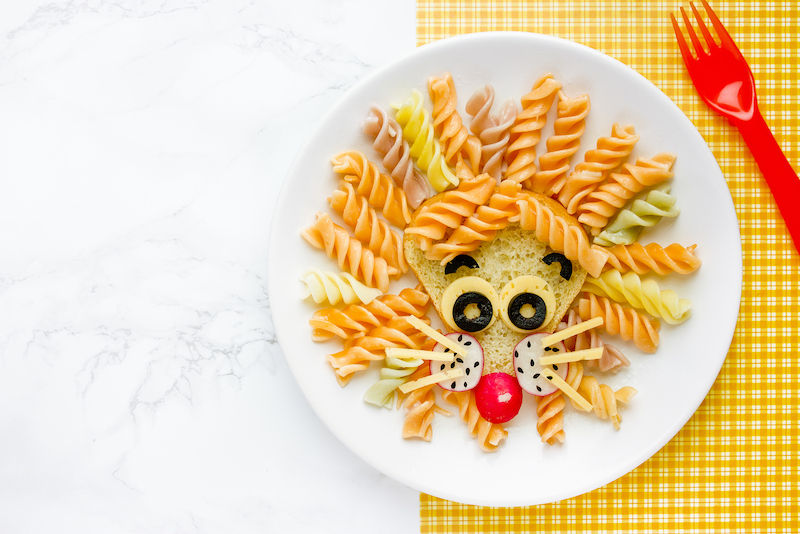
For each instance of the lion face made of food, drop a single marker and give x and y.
(492, 277)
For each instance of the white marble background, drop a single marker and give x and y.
(142, 146)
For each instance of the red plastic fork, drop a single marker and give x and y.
(725, 82)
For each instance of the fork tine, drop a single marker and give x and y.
(685, 52)
(698, 47)
(703, 28)
(725, 39)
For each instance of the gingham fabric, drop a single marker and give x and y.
(734, 466)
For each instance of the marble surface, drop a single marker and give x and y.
(142, 146)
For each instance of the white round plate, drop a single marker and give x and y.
(671, 383)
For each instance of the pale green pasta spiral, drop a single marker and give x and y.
(394, 374)
(629, 223)
(642, 294)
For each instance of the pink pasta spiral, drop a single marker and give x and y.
(568, 239)
(611, 360)
(565, 141)
(349, 252)
(643, 259)
(527, 129)
(379, 188)
(449, 211)
(489, 435)
(606, 157)
(620, 320)
(368, 227)
(460, 148)
(493, 132)
(397, 160)
(605, 201)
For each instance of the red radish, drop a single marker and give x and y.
(472, 363)
(527, 367)
(498, 397)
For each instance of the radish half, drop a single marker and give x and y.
(498, 397)
(472, 363)
(527, 367)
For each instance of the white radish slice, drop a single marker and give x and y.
(471, 364)
(527, 367)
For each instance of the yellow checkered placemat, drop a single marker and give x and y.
(734, 466)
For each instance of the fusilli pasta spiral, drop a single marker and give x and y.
(425, 148)
(355, 320)
(460, 148)
(390, 144)
(642, 294)
(348, 251)
(527, 128)
(550, 408)
(643, 259)
(489, 435)
(562, 237)
(358, 352)
(332, 288)
(629, 223)
(420, 407)
(379, 188)
(483, 226)
(434, 220)
(493, 131)
(620, 320)
(368, 227)
(604, 202)
(607, 156)
(565, 141)
(604, 399)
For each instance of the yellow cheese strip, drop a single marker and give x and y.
(566, 389)
(433, 334)
(574, 356)
(431, 379)
(421, 354)
(573, 330)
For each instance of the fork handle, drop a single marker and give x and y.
(778, 172)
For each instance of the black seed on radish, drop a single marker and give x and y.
(472, 361)
(531, 374)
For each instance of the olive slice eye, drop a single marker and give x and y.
(527, 304)
(469, 304)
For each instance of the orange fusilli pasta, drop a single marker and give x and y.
(565, 141)
(526, 132)
(420, 407)
(603, 203)
(348, 251)
(643, 259)
(434, 220)
(550, 408)
(606, 157)
(379, 188)
(461, 150)
(489, 435)
(368, 228)
(620, 320)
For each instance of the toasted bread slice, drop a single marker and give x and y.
(512, 253)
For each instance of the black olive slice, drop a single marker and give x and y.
(475, 324)
(527, 323)
(462, 260)
(566, 265)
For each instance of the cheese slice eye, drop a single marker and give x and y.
(527, 304)
(470, 304)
